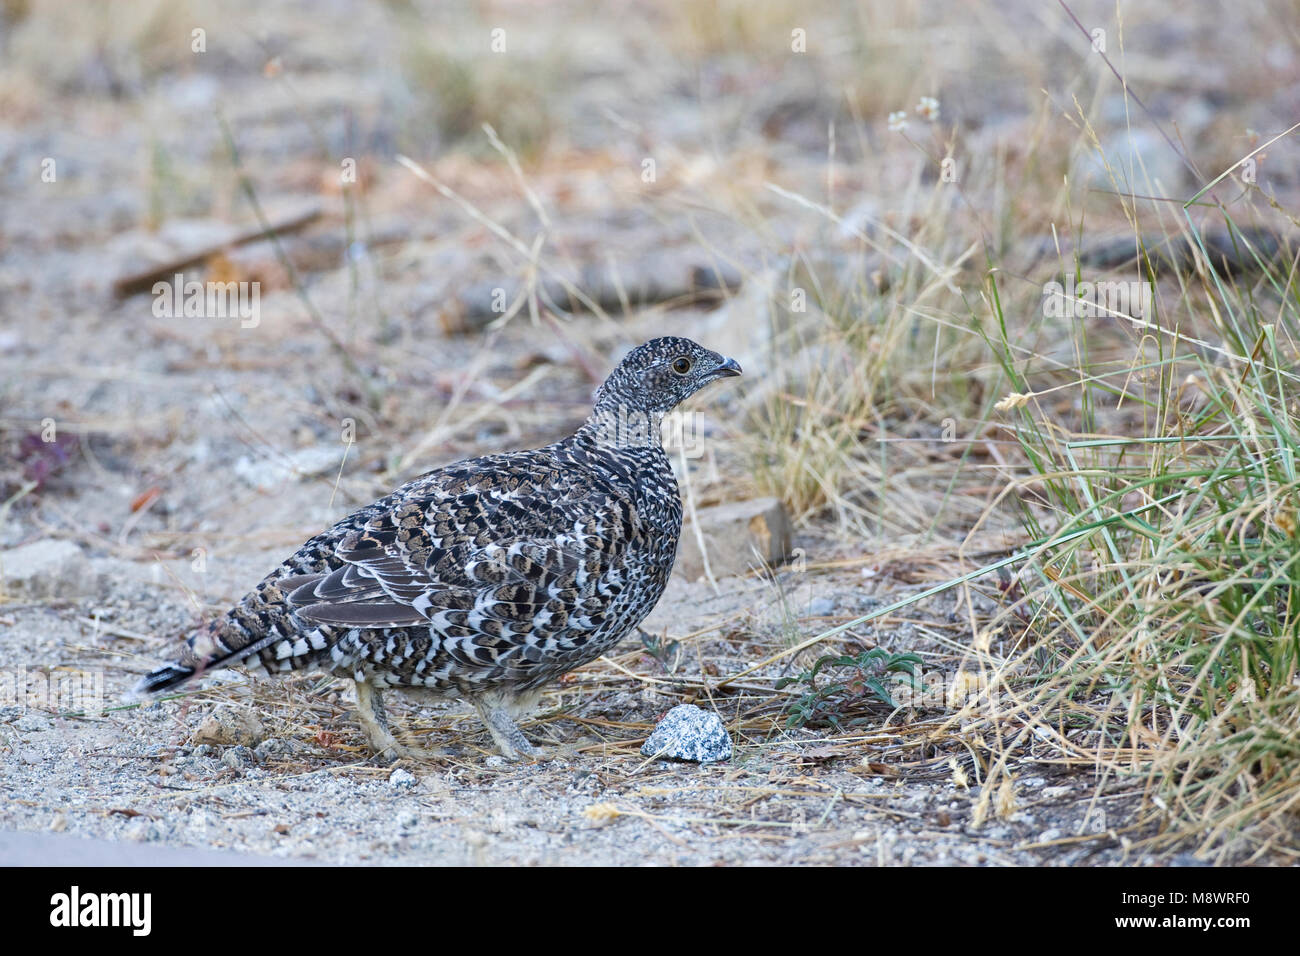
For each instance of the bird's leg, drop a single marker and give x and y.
(500, 723)
(374, 720)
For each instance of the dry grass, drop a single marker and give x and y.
(1152, 630)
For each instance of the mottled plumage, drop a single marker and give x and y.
(487, 578)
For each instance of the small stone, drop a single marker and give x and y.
(197, 765)
(276, 746)
(230, 725)
(270, 475)
(401, 779)
(141, 830)
(238, 758)
(30, 723)
(738, 536)
(689, 733)
(1047, 836)
(822, 607)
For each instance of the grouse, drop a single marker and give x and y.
(485, 579)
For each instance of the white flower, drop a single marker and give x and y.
(898, 121)
(928, 109)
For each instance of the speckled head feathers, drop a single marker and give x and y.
(661, 374)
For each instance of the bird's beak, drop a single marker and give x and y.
(728, 368)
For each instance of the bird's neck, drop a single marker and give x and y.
(627, 449)
(619, 427)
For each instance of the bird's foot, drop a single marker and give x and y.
(510, 740)
(374, 721)
(389, 755)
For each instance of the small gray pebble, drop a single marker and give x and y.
(238, 757)
(822, 607)
(196, 764)
(689, 733)
(276, 745)
(401, 779)
(142, 830)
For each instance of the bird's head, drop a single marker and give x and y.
(656, 377)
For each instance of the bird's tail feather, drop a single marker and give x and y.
(194, 662)
(164, 678)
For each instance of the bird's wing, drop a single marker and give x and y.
(528, 549)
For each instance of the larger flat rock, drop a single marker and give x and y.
(45, 569)
(739, 536)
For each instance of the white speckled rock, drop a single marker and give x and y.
(689, 733)
(401, 779)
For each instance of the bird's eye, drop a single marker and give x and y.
(682, 365)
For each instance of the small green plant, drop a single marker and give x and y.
(664, 650)
(868, 676)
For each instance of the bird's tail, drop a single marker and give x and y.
(195, 657)
(164, 678)
(208, 649)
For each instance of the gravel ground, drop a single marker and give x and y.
(299, 787)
